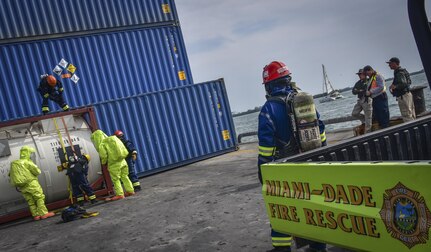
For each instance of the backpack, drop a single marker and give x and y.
(407, 75)
(72, 213)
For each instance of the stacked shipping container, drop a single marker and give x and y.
(126, 53)
(34, 19)
(109, 65)
(173, 127)
(120, 48)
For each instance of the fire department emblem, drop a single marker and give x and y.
(406, 215)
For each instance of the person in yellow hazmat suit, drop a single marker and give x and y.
(113, 153)
(23, 175)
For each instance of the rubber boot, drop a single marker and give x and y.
(47, 215)
(116, 197)
(36, 218)
(127, 194)
(137, 188)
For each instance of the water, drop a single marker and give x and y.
(334, 109)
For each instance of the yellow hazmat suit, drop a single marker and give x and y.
(23, 174)
(113, 152)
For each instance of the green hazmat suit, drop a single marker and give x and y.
(23, 174)
(113, 152)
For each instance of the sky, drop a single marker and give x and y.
(235, 39)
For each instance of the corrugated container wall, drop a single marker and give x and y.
(29, 18)
(173, 127)
(120, 49)
(109, 65)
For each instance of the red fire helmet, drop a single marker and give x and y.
(274, 70)
(118, 133)
(52, 81)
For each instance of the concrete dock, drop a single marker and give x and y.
(212, 205)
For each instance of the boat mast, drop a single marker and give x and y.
(325, 88)
(327, 83)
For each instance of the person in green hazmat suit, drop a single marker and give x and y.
(23, 175)
(113, 153)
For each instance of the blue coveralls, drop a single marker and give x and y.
(77, 172)
(51, 93)
(130, 162)
(274, 132)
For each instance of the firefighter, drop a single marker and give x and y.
(23, 175)
(277, 138)
(77, 171)
(51, 89)
(113, 153)
(131, 158)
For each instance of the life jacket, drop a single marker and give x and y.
(373, 84)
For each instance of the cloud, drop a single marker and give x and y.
(254, 26)
(235, 39)
(205, 45)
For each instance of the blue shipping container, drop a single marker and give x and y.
(109, 65)
(30, 18)
(173, 127)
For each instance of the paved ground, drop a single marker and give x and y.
(212, 205)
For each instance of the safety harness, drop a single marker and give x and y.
(285, 149)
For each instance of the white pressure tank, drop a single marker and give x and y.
(43, 136)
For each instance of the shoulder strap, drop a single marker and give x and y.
(292, 146)
(407, 74)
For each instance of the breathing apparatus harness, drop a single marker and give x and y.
(304, 124)
(285, 149)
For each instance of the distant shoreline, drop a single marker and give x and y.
(257, 109)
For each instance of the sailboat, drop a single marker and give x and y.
(330, 93)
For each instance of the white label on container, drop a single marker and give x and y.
(57, 70)
(63, 63)
(75, 78)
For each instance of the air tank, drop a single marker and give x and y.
(44, 136)
(306, 121)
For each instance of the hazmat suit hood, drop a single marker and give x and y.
(23, 170)
(97, 137)
(25, 152)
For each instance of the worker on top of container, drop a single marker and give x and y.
(77, 171)
(131, 158)
(277, 137)
(51, 89)
(23, 175)
(113, 153)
